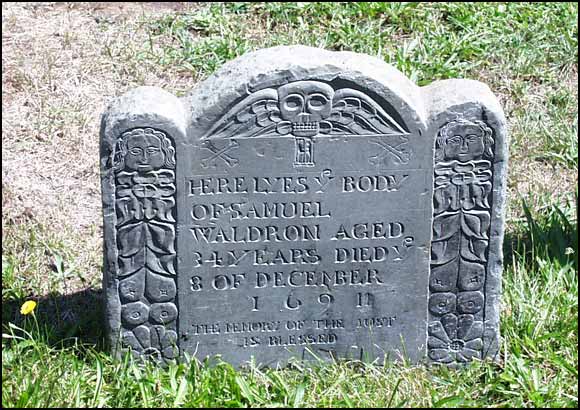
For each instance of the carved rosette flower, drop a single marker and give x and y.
(155, 342)
(455, 339)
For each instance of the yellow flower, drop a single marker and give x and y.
(28, 307)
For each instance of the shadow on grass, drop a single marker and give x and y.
(550, 233)
(63, 320)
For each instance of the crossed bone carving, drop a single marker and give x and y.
(396, 151)
(219, 153)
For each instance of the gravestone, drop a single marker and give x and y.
(304, 203)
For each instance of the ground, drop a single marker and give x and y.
(62, 63)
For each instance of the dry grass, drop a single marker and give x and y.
(63, 62)
(61, 65)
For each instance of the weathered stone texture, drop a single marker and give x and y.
(301, 202)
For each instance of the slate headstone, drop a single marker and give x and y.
(286, 206)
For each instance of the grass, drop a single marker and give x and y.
(539, 365)
(526, 52)
(56, 80)
(426, 41)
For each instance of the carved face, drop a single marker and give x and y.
(464, 142)
(305, 104)
(144, 153)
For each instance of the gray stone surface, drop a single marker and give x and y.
(471, 154)
(285, 208)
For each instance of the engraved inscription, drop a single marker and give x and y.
(304, 235)
(461, 224)
(278, 211)
(285, 242)
(144, 165)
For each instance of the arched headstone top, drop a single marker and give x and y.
(274, 67)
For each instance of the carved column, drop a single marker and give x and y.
(469, 196)
(461, 221)
(138, 168)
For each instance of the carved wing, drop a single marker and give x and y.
(354, 112)
(256, 115)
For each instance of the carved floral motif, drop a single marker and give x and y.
(153, 342)
(461, 223)
(455, 338)
(144, 164)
